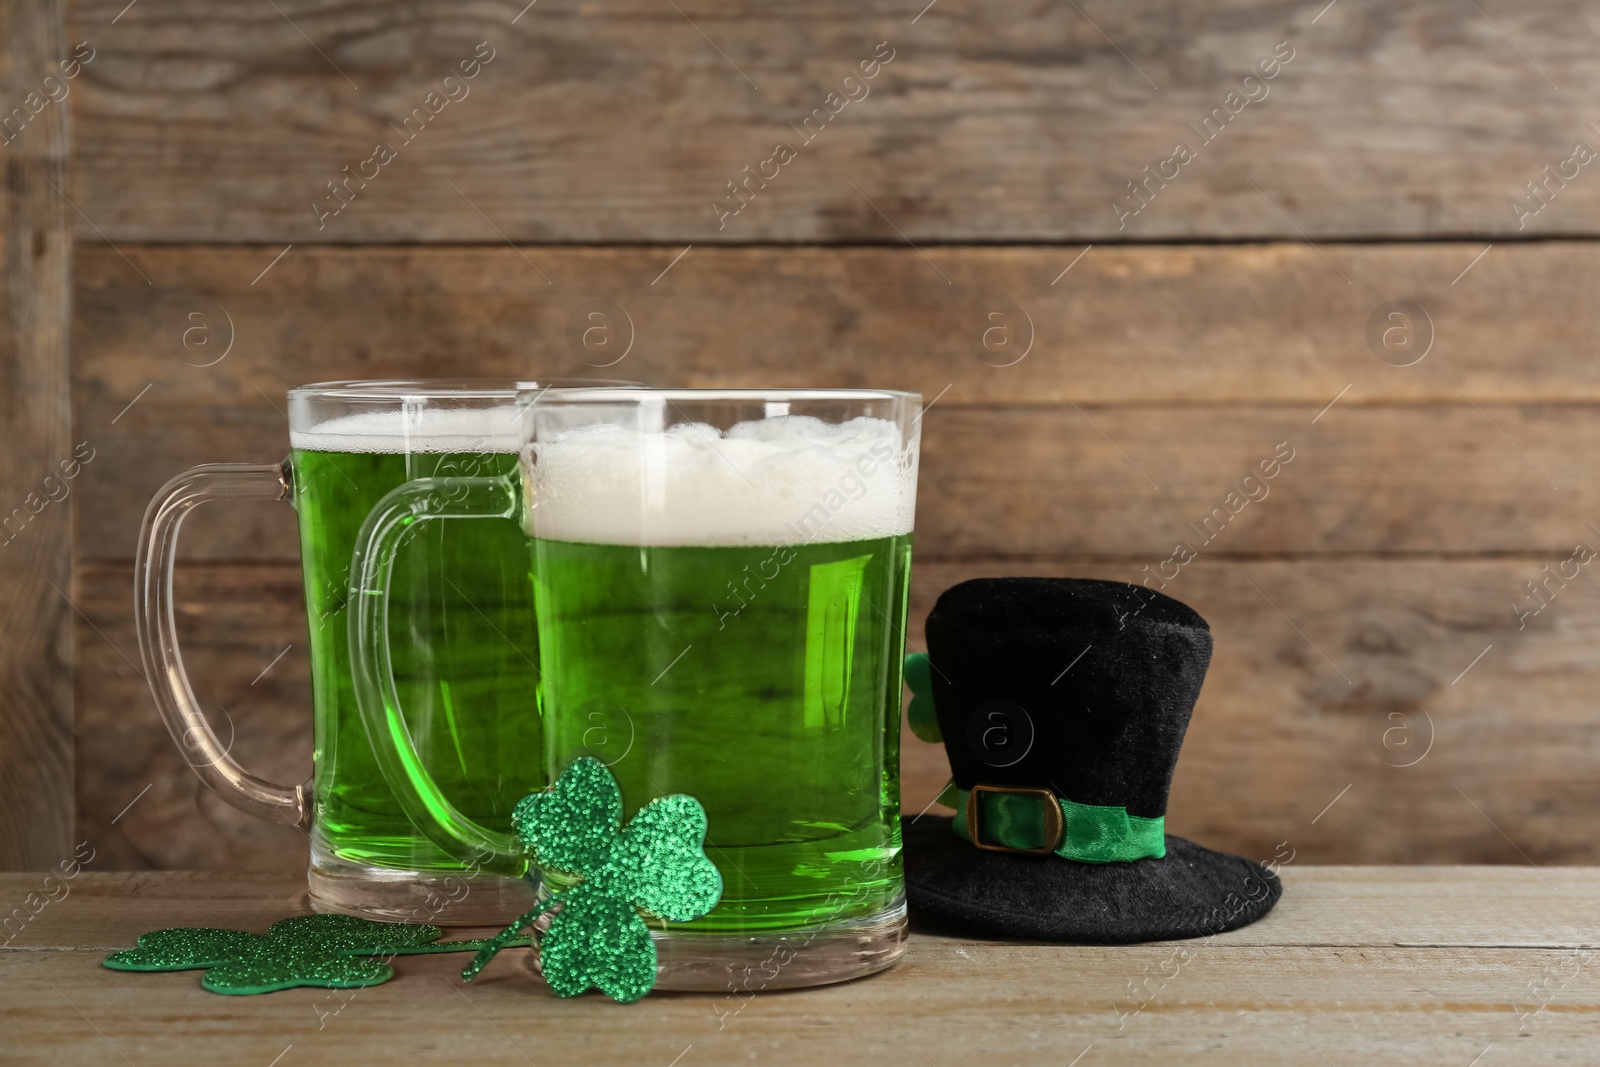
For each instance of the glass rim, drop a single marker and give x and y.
(629, 391)
(399, 389)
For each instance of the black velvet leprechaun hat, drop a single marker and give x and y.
(1062, 704)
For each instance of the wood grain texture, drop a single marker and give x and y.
(140, 804)
(1325, 906)
(1174, 325)
(1317, 661)
(36, 772)
(1120, 482)
(1368, 966)
(1501, 743)
(993, 122)
(1157, 383)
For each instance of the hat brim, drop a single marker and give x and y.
(1191, 892)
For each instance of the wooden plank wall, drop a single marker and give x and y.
(1171, 338)
(36, 581)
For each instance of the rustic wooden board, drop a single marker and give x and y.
(1301, 987)
(1325, 907)
(1280, 731)
(1183, 324)
(1122, 482)
(1403, 464)
(139, 802)
(36, 627)
(1188, 365)
(1282, 750)
(993, 122)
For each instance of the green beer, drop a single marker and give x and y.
(724, 616)
(775, 719)
(462, 636)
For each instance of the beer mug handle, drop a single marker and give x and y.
(372, 668)
(156, 619)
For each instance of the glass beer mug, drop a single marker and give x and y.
(465, 658)
(721, 582)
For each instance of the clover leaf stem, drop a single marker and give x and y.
(505, 937)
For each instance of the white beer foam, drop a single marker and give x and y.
(395, 432)
(779, 481)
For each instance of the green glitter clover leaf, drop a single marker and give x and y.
(331, 951)
(657, 863)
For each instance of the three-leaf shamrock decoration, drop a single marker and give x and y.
(656, 863)
(597, 937)
(333, 951)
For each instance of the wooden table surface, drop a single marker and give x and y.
(1357, 965)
